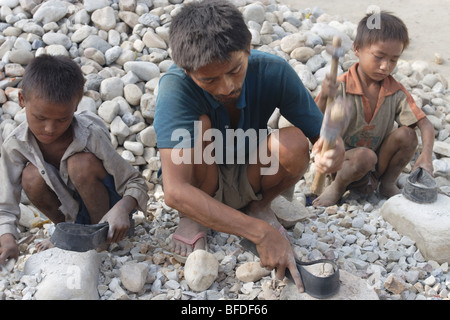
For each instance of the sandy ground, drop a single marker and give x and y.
(428, 24)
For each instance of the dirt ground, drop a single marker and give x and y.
(428, 24)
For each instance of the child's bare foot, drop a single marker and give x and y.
(388, 189)
(44, 245)
(330, 196)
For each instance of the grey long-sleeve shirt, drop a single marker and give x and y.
(90, 135)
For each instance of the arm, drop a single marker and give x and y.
(128, 181)
(10, 189)
(327, 90)
(181, 194)
(425, 160)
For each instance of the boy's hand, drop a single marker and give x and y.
(331, 161)
(119, 223)
(328, 89)
(8, 248)
(424, 162)
(275, 252)
(119, 219)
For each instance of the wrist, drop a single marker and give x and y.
(7, 238)
(259, 229)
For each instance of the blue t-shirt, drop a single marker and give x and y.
(270, 82)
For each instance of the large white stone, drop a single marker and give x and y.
(201, 270)
(427, 224)
(442, 148)
(69, 275)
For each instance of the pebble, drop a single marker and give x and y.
(251, 272)
(133, 276)
(122, 47)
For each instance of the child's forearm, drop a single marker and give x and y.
(128, 204)
(321, 102)
(427, 134)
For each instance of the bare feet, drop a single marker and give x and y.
(188, 229)
(388, 189)
(44, 245)
(330, 196)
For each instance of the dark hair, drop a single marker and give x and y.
(54, 78)
(387, 27)
(207, 31)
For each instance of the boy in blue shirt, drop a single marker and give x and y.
(211, 125)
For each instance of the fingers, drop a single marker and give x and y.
(3, 257)
(280, 273)
(8, 259)
(330, 160)
(288, 261)
(119, 224)
(116, 234)
(317, 147)
(295, 275)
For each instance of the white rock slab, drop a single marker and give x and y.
(351, 288)
(68, 275)
(427, 224)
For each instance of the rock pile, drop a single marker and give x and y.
(122, 48)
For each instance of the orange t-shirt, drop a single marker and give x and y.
(394, 104)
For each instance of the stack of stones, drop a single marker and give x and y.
(122, 48)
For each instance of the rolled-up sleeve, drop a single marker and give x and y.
(11, 167)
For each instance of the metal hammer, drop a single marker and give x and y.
(334, 120)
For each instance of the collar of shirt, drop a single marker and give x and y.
(353, 85)
(80, 134)
(240, 104)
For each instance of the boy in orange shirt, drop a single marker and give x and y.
(376, 152)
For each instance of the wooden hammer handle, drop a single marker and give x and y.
(319, 178)
(334, 67)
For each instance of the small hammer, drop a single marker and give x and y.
(334, 120)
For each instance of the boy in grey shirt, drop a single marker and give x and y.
(64, 161)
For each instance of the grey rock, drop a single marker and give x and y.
(50, 11)
(94, 41)
(144, 70)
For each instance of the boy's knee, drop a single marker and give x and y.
(407, 137)
(82, 166)
(32, 180)
(363, 160)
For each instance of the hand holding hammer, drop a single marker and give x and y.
(335, 115)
